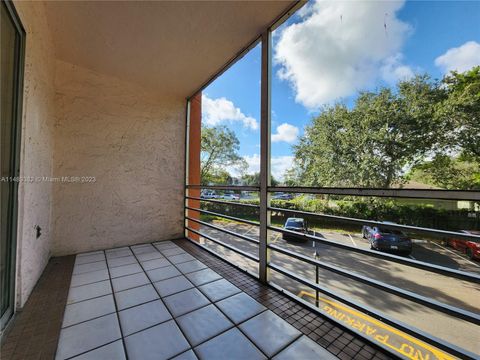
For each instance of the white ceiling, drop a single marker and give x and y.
(172, 47)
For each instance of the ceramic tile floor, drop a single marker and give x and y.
(156, 301)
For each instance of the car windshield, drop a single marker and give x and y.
(390, 231)
(294, 223)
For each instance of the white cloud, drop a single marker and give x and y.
(216, 111)
(278, 164)
(339, 48)
(393, 70)
(285, 132)
(461, 58)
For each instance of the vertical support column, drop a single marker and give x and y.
(264, 252)
(194, 133)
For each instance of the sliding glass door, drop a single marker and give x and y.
(10, 79)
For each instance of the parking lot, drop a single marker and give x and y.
(447, 290)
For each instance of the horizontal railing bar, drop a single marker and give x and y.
(315, 309)
(221, 257)
(223, 216)
(357, 221)
(223, 202)
(399, 259)
(472, 195)
(445, 308)
(441, 344)
(221, 243)
(225, 187)
(246, 238)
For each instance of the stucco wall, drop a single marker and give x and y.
(80, 123)
(133, 144)
(36, 159)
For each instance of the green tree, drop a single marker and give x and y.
(219, 150)
(254, 180)
(447, 172)
(372, 143)
(217, 176)
(460, 112)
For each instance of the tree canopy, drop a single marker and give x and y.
(460, 111)
(254, 180)
(387, 133)
(219, 150)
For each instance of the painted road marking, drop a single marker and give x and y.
(411, 257)
(351, 238)
(250, 229)
(399, 342)
(454, 253)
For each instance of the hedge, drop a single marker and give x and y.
(422, 215)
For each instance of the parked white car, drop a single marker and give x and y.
(231, 197)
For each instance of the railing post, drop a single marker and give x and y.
(315, 255)
(265, 157)
(192, 153)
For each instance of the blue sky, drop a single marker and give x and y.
(329, 51)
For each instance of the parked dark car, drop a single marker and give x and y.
(468, 247)
(298, 225)
(390, 240)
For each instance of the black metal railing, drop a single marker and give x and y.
(434, 304)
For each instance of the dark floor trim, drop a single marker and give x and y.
(35, 330)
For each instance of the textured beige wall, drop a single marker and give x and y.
(80, 123)
(133, 144)
(37, 149)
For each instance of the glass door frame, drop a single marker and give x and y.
(19, 53)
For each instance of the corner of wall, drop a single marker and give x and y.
(36, 158)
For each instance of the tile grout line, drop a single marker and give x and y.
(117, 312)
(166, 307)
(221, 312)
(339, 345)
(118, 277)
(92, 349)
(234, 272)
(233, 325)
(213, 303)
(94, 318)
(189, 312)
(266, 309)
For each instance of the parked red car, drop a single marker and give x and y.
(468, 247)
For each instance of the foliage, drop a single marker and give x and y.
(254, 180)
(390, 131)
(460, 111)
(421, 214)
(448, 172)
(217, 176)
(370, 144)
(219, 150)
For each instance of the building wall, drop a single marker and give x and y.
(132, 143)
(80, 123)
(36, 159)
